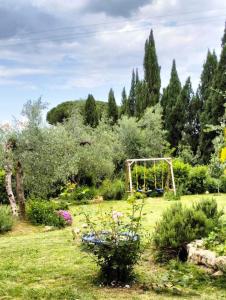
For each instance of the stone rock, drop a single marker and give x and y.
(49, 228)
(200, 256)
(221, 263)
(218, 273)
(206, 258)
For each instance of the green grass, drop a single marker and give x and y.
(49, 265)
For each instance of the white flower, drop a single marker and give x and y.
(116, 215)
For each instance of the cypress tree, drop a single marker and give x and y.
(205, 95)
(112, 107)
(141, 98)
(168, 102)
(137, 77)
(152, 70)
(124, 102)
(132, 97)
(91, 115)
(192, 126)
(179, 114)
(218, 100)
(223, 41)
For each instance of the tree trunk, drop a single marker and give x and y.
(9, 190)
(20, 190)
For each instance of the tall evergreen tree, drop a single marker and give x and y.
(91, 115)
(141, 97)
(112, 107)
(218, 100)
(132, 97)
(223, 41)
(205, 91)
(168, 102)
(192, 126)
(179, 114)
(137, 76)
(124, 103)
(152, 70)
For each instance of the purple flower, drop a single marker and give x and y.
(66, 216)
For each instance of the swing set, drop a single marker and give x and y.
(130, 163)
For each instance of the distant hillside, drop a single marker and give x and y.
(63, 111)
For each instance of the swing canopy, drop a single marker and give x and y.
(160, 178)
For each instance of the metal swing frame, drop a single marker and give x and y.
(130, 162)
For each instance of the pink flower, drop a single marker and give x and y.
(66, 216)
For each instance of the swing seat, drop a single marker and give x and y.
(160, 191)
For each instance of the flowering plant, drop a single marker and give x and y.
(114, 240)
(66, 216)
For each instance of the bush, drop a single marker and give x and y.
(223, 183)
(112, 190)
(170, 196)
(209, 207)
(75, 193)
(6, 219)
(212, 184)
(40, 212)
(181, 225)
(181, 172)
(84, 193)
(197, 180)
(117, 247)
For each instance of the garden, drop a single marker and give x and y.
(71, 228)
(117, 202)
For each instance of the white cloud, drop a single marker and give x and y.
(101, 56)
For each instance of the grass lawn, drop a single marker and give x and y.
(49, 265)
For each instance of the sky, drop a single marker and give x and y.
(63, 50)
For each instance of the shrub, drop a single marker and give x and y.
(223, 183)
(181, 172)
(170, 196)
(117, 246)
(181, 225)
(66, 216)
(112, 190)
(82, 193)
(197, 180)
(6, 219)
(212, 184)
(209, 207)
(40, 212)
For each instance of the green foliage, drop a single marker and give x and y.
(144, 138)
(180, 112)
(131, 108)
(212, 184)
(118, 245)
(197, 180)
(6, 219)
(181, 225)
(3, 195)
(207, 77)
(223, 184)
(82, 193)
(112, 190)
(41, 212)
(181, 172)
(152, 71)
(65, 110)
(112, 108)
(124, 103)
(91, 115)
(170, 196)
(168, 101)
